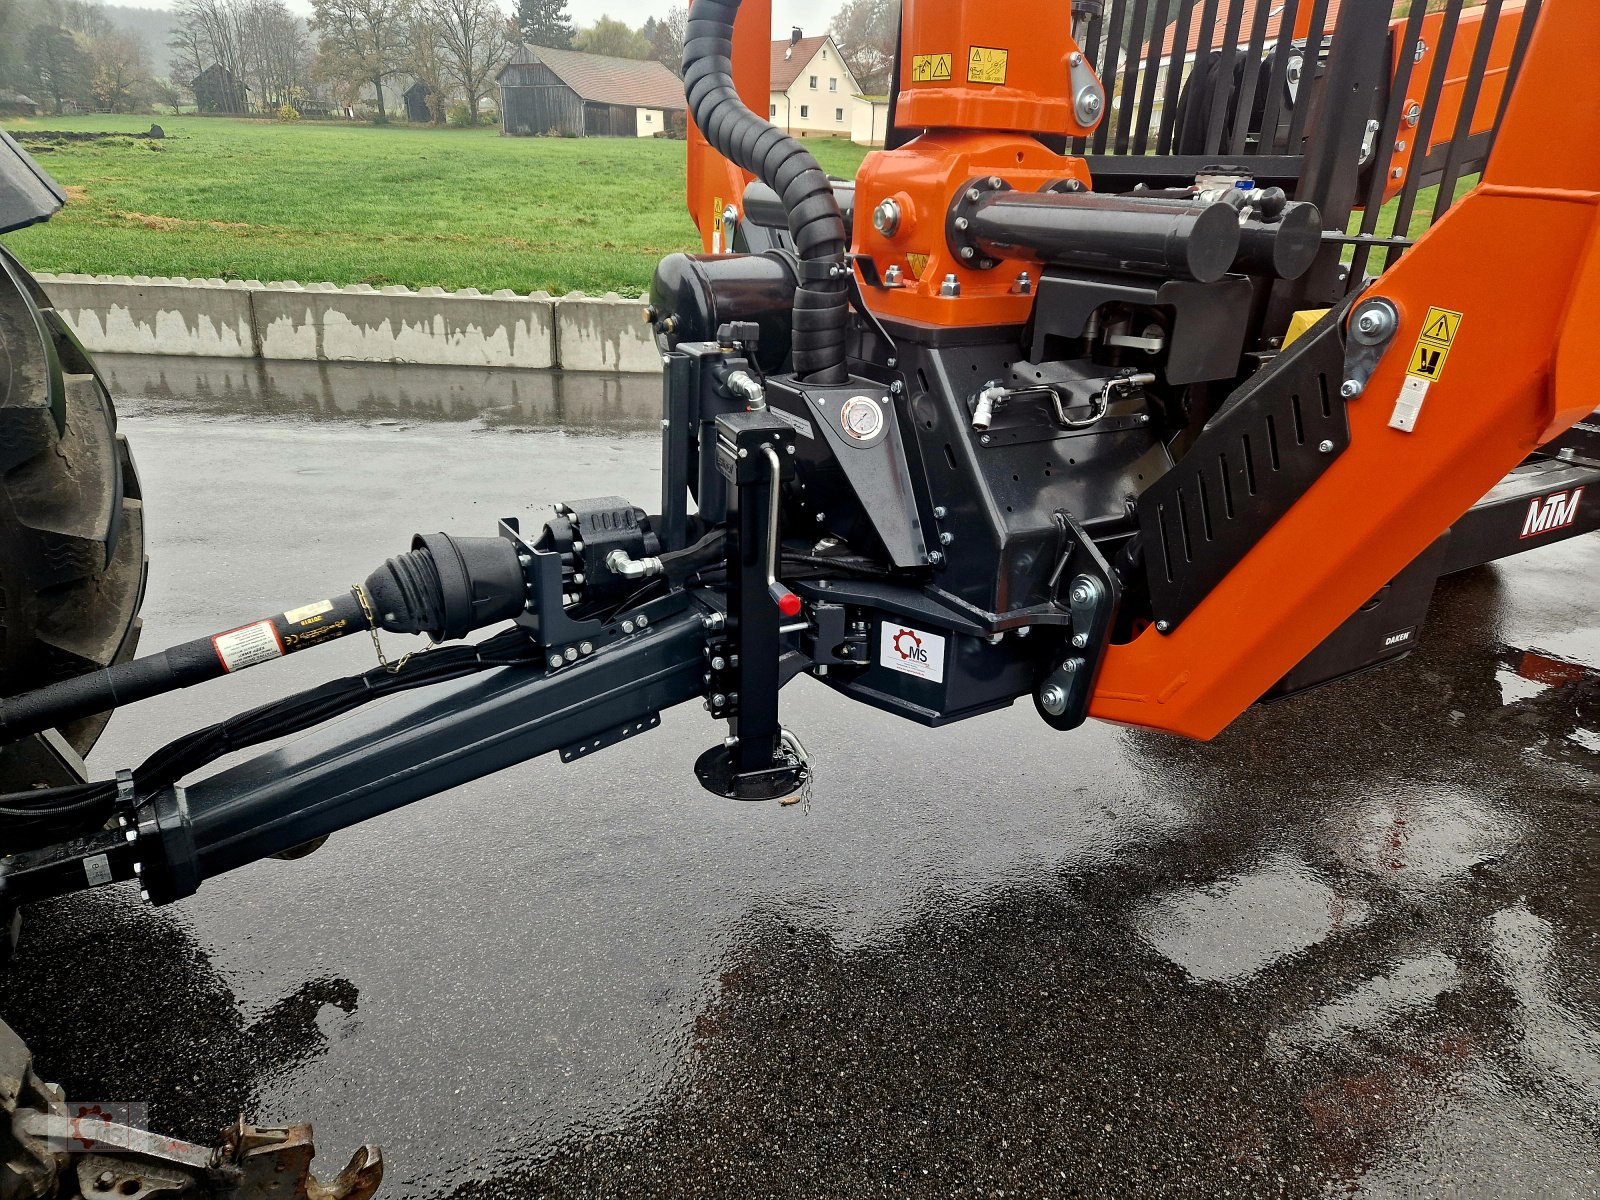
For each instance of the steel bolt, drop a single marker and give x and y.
(1070, 666)
(963, 223)
(1369, 322)
(984, 439)
(946, 538)
(1326, 447)
(586, 648)
(627, 627)
(1075, 59)
(974, 195)
(1414, 115)
(1352, 388)
(968, 252)
(1164, 626)
(789, 449)
(1081, 594)
(642, 621)
(572, 654)
(104, 1180)
(939, 512)
(744, 454)
(1054, 699)
(525, 559)
(719, 663)
(886, 218)
(718, 700)
(935, 557)
(1080, 640)
(1398, 173)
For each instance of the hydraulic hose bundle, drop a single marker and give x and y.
(821, 302)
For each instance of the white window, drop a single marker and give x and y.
(838, 114)
(813, 83)
(833, 85)
(805, 111)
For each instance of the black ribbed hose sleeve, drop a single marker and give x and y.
(822, 304)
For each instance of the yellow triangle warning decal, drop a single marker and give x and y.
(1442, 326)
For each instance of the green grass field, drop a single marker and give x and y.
(362, 204)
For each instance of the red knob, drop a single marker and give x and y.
(788, 602)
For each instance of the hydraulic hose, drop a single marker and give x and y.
(821, 300)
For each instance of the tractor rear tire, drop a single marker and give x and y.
(72, 560)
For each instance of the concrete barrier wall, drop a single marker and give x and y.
(321, 322)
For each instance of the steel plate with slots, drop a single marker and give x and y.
(610, 738)
(1264, 450)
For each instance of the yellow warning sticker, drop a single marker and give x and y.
(1442, 326)
(1439, 334)
(987, 65)
(930, 68)
(1427, 361)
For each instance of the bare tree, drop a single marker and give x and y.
(361, 39)
(276, 51)
(121, 72)
(474, 40)
(666, 38)
(211, 29)
(866, 31)
(424, 61)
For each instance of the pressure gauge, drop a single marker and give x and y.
(862, 418)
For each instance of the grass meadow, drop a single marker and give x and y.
(251, 199)
(455, 208)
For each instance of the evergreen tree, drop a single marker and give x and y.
(544, 23)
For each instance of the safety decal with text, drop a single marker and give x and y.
(985, 64)
(930, 68)
(912, 652)
(247, 646)
(1439, 334)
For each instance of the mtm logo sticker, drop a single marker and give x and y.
(930, 68)
(1433, 347)
(912, 652)
(1550, 513)
(985, 64)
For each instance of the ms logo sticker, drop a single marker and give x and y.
(912, 652)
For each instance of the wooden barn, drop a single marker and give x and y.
(567, 94)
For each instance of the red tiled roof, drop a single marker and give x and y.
(600, 79)
(786, 67)
(1213, 38)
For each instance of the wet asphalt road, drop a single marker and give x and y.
(1352, 946)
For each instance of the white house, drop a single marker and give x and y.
(813, 92)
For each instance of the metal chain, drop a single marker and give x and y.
(372, 628)
(792, 743)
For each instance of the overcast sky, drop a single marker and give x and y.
(811, 15)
